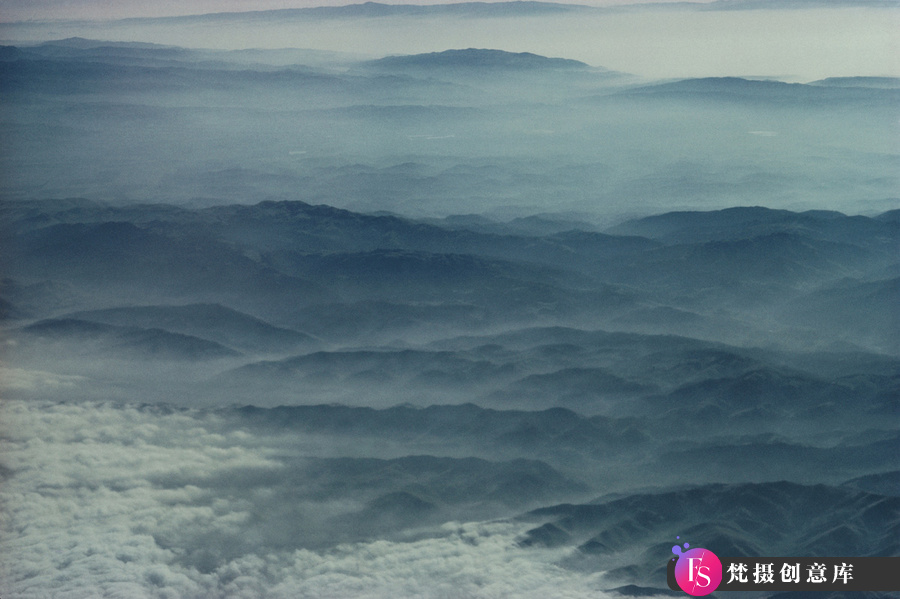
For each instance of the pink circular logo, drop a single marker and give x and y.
(698, 571)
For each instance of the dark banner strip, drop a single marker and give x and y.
(804, 574)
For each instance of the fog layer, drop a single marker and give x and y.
(450, 302)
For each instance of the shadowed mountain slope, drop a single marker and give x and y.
(210, 321)
(747, 222)
(735, 520)
(73, 337)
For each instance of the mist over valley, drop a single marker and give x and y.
(457, 321)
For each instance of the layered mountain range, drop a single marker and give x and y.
(577, 362)
(270, 316)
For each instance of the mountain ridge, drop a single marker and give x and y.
(735, 519)
(477, 58)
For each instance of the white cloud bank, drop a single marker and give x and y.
(20, 379)
(102, 500)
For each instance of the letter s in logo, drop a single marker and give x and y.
(699, 570)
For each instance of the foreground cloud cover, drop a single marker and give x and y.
(135, 501)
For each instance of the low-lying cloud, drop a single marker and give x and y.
(107, 500)
(22, 379)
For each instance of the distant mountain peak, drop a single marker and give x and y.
(81, 43)
(73, 42)
(865, 82)
(478, 58)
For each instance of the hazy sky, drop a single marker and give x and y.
(14, 10)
